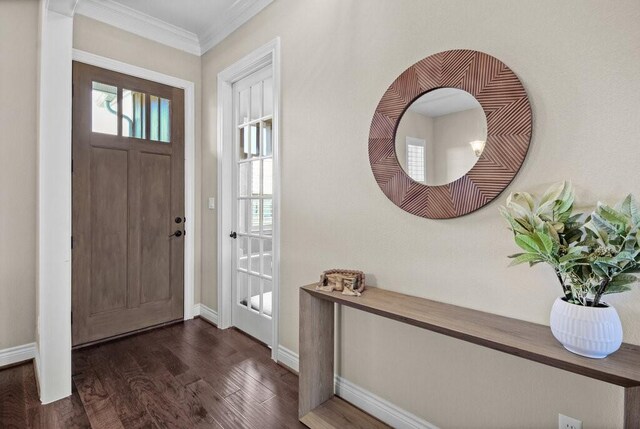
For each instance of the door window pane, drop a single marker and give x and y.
(165, 121)
(267, 101)
(244, 143)
(243, 218)
(242, 286)
(267, 297)
(256, 101)
(104, 115)
(267, 148)
(267, 258)
(243, 253)
(254, 138)
(267, 217)
(160, 119)
(243, 179)
(255, 178)
(243, 113)
(255, 293)
(267, 171)
(254, 257)
(154, 110)
(255, 216)
(133, 114)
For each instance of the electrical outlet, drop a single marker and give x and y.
(212, 203)
(566, 422)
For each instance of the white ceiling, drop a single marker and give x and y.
(444, 101)
(194, 26)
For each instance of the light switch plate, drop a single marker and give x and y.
(212, 203)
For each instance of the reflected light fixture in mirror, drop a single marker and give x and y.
(477, 146)
(434, 134)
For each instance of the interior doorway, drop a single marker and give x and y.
(128, 207)
(252, 263)
(249, 194)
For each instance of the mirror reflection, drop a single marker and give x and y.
(441, 136)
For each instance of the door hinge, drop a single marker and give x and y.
(72, 317)
(72, 165)
(72, 242)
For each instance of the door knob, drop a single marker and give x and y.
(233, 234)
(178, 233)
(178, 219)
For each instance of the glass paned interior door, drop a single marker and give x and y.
(253, 217)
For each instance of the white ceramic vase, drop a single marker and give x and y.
(593, 332)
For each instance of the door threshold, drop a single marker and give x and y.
(127, 334)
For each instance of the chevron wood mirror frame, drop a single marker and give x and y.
(509, 124)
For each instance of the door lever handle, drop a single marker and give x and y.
(233, 235)
(178, 233)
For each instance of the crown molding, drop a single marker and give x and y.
(236, 16)
(128, 19)
(141, 24)
(64, 7)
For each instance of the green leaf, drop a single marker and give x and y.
(612, 215)
(526, 257)
(527, 243)
(547, 242)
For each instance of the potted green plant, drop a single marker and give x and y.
(592, 256)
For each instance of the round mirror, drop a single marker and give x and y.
(441, 136)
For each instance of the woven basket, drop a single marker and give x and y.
(358, 274)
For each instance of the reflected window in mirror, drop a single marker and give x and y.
(415, 159)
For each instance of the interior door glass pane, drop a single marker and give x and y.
(267, 217)
(154, 111)
(244, 143)
(267, 258)
(267, 101)
(255, 293)
(243, 113)
(242, 286)
(267, 297)
(133, 114)
(254, 259)
(267, 148)
(254, 138)
(255, 177)
(243, 218)
(243, 179)
(243, 253)
(104, 115)
(256, 101)
(255, 216)
(267, 178)
(165, 120)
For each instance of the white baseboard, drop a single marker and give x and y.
(367, 401)
(288, 358)
(17, 354)
(206, 313)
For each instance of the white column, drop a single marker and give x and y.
(53, 359)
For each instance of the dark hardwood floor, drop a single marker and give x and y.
(188, 375)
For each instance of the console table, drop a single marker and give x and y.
(318, 408)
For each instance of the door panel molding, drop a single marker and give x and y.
(266, 55)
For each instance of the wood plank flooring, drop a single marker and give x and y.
(188, 375)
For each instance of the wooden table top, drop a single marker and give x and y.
(516, 337)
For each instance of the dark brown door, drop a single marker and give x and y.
(128, 204)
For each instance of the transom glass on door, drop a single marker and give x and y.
(254, 197)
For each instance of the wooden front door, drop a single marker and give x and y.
(128, 204)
